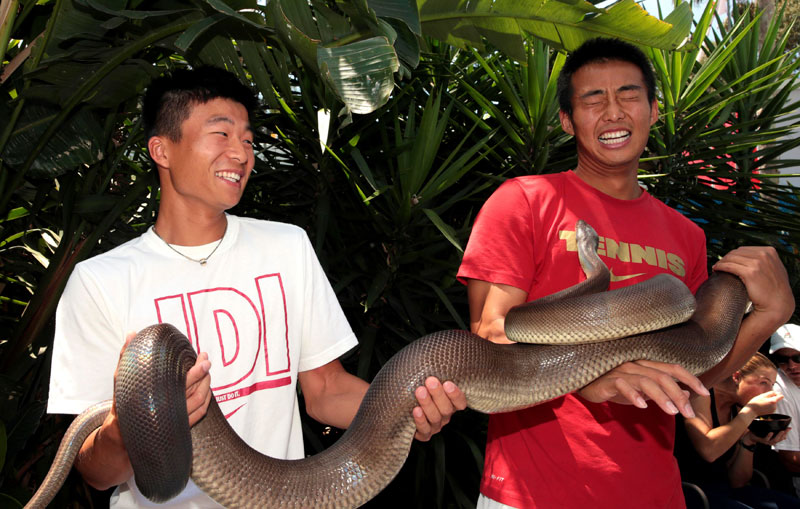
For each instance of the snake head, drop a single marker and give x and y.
(587, 241)
(585, 234)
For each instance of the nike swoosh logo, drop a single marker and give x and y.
(614, 277)
(227, 416)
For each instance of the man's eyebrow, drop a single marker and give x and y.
(227, 120)
(600, 91)
(625, 88)
(591, 93)
(219, 118)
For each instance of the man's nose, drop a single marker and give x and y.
(237, 149)
(614, 110)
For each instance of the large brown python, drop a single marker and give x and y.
(495, 378)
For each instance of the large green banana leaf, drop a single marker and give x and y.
(564, 24)
(360, 63)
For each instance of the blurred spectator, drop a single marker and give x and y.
(715, 448)
(785, 350)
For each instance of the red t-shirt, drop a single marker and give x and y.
(569, 452)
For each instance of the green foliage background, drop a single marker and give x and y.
(388, 197)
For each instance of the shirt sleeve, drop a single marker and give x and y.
(500, 249)
(326, 333)
(86, 346)
(789, 406)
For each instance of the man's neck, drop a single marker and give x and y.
(619, 183)
(190, 229)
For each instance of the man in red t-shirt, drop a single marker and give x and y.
(604, 445)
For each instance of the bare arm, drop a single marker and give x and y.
(710, 442)
(332, 394)
(629, 383)
(488, 305)
(767, 283)
(103, 460)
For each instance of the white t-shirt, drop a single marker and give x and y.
(789, 405)
(261, 307)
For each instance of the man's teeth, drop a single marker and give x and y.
(229, 176)
(614, 137)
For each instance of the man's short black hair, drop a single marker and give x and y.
(169, 98)
(602, 50)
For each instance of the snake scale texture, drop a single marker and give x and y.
(494, 378)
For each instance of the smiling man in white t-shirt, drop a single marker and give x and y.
(249, 294)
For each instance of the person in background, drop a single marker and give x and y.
(785, 351)
(718, 455)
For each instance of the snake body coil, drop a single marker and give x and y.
(494, 378)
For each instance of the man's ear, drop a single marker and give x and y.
(653, 112)
(566, 122)
(159, 150)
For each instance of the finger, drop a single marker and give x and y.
(197, 403)
(198, 388)
(429, 408)
(748, 260)
(627, 392)
(198, 374)
(659, 382)
(457, 397)
(612, 387)
(423, 433)
(440, 398)
(200, 369)
(736, 262)
(778, 436)
(623, 384)
(679, 397)
(667, 395)
(764, 276)
(679, 373)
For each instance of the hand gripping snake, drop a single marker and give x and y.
(612, 328)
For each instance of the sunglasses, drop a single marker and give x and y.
(784, 359)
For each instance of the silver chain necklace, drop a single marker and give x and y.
(201, 261)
